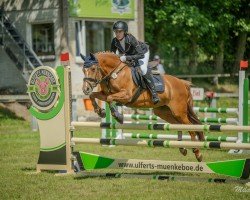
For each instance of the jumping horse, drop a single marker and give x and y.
(117, 85)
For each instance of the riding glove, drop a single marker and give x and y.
(123, 58)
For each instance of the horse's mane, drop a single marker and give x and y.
(106, 53)
(102, 52)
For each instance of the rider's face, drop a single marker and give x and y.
(119, 34)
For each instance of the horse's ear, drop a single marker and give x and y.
(83, 57)
(92, 56)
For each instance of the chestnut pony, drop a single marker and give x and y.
(116, 85)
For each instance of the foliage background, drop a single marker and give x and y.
(198, 36)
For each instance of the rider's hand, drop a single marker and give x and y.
(123, 58)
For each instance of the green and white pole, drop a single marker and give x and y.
(156, 118)
(245, 136)
(215, 110)
(162, 143)
(164, 126)
(110, 133)
(175, 137)
(219, 120)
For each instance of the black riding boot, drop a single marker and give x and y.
(150, 84)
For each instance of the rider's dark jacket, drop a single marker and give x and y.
(134, 49)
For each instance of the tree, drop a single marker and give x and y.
(189, 32)
(241, 30)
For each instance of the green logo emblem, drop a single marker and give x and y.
(43, 88)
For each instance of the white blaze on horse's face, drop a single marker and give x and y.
(90, 79)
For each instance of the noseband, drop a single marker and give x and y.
(93, 82)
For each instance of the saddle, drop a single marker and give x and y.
(157, 78)
(139, 80)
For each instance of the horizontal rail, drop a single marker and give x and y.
(165, 126)
(163, 143)
(175, 137)
(215, 110)
(156, 118)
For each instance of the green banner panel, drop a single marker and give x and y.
(112, 9)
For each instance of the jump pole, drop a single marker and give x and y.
(215, 110)
(164, 126)
(161, 143)
(158, 119)
(175, 137)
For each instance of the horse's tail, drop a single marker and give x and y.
(190, 112)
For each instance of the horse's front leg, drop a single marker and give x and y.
(101, 96)
(121, 97)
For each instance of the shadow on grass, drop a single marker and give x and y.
(7, 114)
(32, 170)
(158, 176)
(28, 169)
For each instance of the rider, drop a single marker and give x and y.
(131, 49)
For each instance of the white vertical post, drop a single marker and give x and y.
(214, 105)
(104, 131)
(110, 133)
(119, 133)
(240, 105)
(34, 125)
(83, 38)
(74, 108)
(240, 111)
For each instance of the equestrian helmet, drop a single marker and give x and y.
(120, 25)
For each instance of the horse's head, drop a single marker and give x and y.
(97, 68)
(92, 73)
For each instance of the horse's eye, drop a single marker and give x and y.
(93, 69)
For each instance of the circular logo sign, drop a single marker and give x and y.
(43, 88)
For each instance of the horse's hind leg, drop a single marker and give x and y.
(181, 113)
(196, 151)
(166, 114)
(182, 150)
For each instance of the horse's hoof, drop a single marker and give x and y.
(183, 151)
(101, 113)
(118, 117)
(199, 157)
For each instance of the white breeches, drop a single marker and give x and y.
(144, 66)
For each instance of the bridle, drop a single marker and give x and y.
(93, 82)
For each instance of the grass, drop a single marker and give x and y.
(19, 154)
